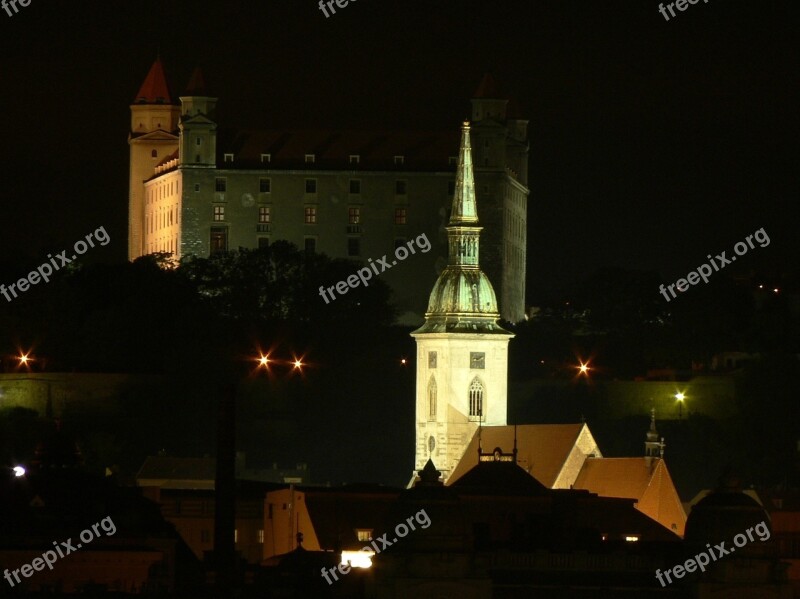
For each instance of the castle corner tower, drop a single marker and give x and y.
(462, 353)
(153, 135)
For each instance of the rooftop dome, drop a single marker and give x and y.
(725, 513)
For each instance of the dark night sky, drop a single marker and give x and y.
(653, 143)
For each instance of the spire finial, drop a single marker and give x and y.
(652, 448)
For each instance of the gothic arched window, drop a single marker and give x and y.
(432, 399)
(476, 399)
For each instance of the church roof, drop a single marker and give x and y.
(154, 90)
(542, 449)
(646, 480)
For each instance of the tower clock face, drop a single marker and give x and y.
(477, 359)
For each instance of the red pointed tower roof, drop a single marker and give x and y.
(487, 89)
(197, 84)
(154, 90)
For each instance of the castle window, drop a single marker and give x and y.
(197, 187)
(260, 536)
(399, 159)
(432, 399)
(154, 154)
(265, 185)
(400, 188)
(310, 158)
(198, 141)
(354, 158)
(311, 186)
(221, 184)
(310, 245)
(263, 242)
(264, 215)
(400, 216)
(228, 157)
(266, 157)
(353, 246)
(476, 399)
(364, 534)
(353, 215)
(219, 213)
(355, 186)
(310, 215)
(219, 239)
(399, 241)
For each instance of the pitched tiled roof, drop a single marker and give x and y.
(169, 157)
(420, 150)
(542, 449)
(154, 90)
(178, 473)
(648, 483)
(499, 478)
(336, 514)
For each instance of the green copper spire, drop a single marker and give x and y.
(465, 210)
(463, 300)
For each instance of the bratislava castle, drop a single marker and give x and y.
(462, 353)
(197, 188)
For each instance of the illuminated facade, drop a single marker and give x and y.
(462, 353)
(195, 190)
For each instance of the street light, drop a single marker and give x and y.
(680, 397)
(19, 471)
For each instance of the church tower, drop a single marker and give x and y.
(154, 126)
(462, 353)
